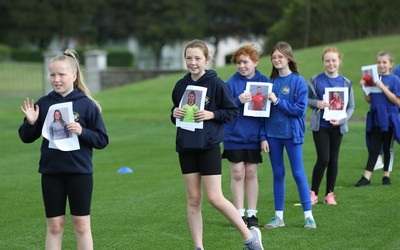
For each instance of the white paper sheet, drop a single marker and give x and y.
(333, 112)
(200, 97)
(370, 71)
(69, 143)
(252, 87)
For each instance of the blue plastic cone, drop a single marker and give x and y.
(125, 170)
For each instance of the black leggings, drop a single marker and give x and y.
(377, 139)
(327, 144)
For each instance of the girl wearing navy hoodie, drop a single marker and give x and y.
(66, 174)
(199, 150)
(241, 136)
(285, 128)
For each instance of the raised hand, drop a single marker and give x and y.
(30, 110)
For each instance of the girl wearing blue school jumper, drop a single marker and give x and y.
(66, 174)
(379, 162)
(285, 128)
(241, 136)
(199, 151)
(327, 135)
(383, 120)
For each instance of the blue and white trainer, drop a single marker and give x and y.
(255, 242)
(310, 223)
(275, 222)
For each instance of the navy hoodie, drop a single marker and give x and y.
(94, 135)
(218, 100)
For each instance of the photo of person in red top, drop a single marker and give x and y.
(258, 100)
(368, 79)
(336, 102)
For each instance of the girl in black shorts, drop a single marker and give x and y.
(66, 166)
(199, 149)
(242, 146)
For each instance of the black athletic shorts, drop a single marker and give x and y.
(56, 188)
(243, 155)
(206, 162)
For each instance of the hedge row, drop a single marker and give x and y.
(115, 57)
(5, 53)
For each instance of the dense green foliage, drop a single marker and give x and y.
(26, 55)
(24, 24)
(154, 24)
(308, 23)
(120, 58)
(116, 57)
(5, 52)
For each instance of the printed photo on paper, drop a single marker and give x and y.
(337, 98)
(192, 101)
(370, 75)
(259, 106)
(55, 127)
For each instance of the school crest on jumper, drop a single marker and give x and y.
(207, 101)
(285, 90)
(76, 117)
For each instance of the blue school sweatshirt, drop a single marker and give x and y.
(243, 132)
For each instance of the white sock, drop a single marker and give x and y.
(279, 214)
(251, 212)
(308, 214)
(241, 212)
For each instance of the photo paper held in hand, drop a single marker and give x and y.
(259, 106)
(192, 101)
(55, 131)
(370, 75)
(337, 98)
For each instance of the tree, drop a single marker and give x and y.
(115, 21)
(31, 23)
(160, 23)
(309, 23)
(242, 19)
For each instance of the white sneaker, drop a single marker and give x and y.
(379, 163)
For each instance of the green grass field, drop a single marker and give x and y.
(147, 208)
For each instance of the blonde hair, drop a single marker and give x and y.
(386, 53)
(71, 57)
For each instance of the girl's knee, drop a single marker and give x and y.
(81, 224)
(238, 176)
(194, 201)
(55, 225)
(299, 177)
(216, 200)
(251, 173)
(279, 175)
